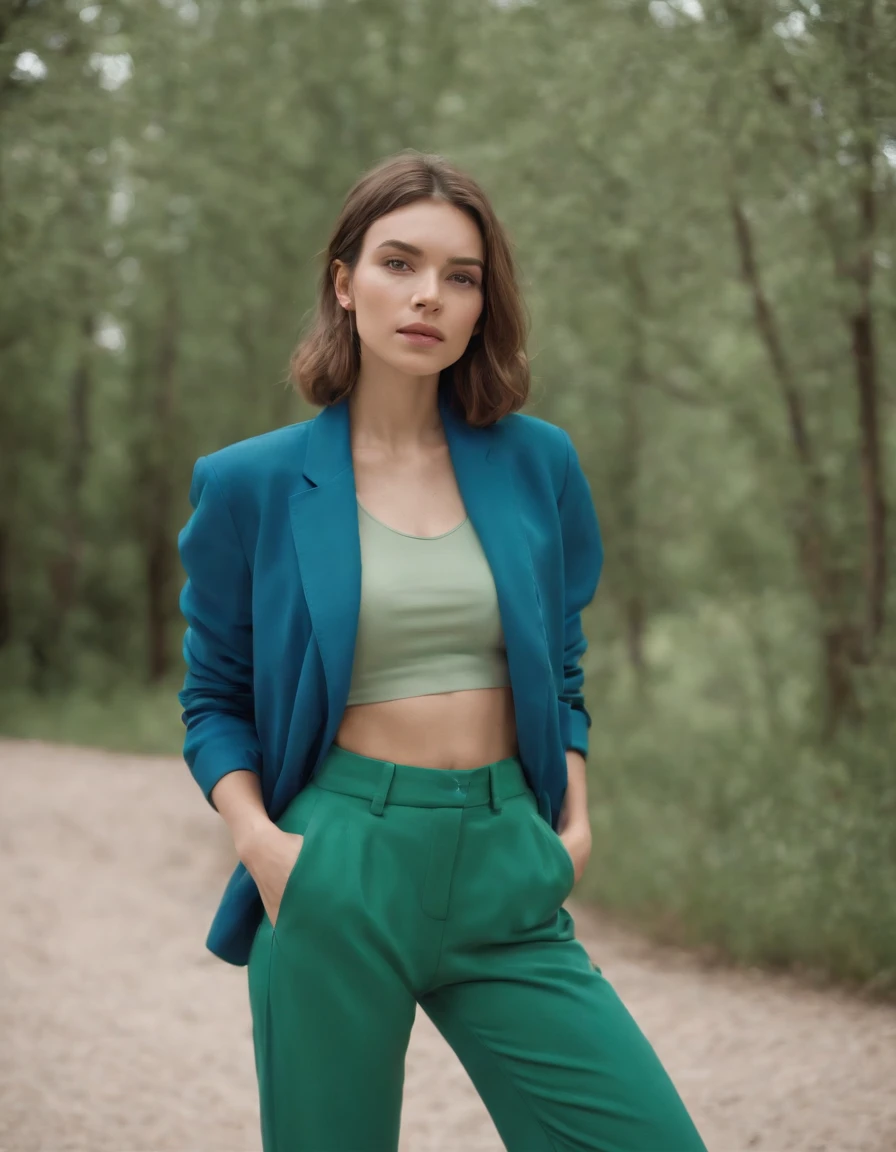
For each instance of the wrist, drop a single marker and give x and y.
(250, 836)
(574, 815)
(577, 825)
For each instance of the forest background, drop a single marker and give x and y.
(702, 196)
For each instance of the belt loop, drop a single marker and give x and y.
(378, 803)
(493, 790)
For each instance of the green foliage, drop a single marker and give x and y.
(717, 824)
(703, 201)
(125, 718)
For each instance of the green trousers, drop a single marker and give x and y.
(443, 889)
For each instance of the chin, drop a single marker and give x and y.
(419, 365)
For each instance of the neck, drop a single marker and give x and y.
(393, 413)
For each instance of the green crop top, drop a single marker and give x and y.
(429, 619)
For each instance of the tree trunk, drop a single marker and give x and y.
(633, 447)
(5, 586)
(66, 571)
(159, 558)
(864, 349)
(839, 651)
(843, 651)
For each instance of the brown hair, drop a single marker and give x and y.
(491, 379)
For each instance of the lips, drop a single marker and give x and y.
(421, 330)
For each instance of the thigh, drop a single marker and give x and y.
(558, 1060)
(331, 1015)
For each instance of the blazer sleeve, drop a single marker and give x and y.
(582, 561)
(216, 601)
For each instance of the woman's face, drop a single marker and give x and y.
(421, 265)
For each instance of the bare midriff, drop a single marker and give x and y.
(451, 730)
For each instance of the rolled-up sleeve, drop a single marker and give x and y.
(583, 561)
(216, 601)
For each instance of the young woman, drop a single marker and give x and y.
(384, 703)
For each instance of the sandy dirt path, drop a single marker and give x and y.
(119, 1032)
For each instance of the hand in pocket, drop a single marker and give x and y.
(577, 842)
(270, 863)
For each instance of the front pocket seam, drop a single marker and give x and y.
(570, 862)
(295, 867)
(558, 843)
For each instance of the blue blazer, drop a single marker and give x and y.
(273, 564)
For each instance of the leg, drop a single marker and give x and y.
(556, 1057)
(330, 1044)
(331, 1016)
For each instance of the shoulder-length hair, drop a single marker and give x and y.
(491, 379)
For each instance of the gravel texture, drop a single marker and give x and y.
(119, 1032)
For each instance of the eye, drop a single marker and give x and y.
(465, 278)
(394, 260)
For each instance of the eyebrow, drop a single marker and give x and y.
(414, 251)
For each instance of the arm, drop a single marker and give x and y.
(582, 563)
(216, 601)
(222, 746)
(237, 797)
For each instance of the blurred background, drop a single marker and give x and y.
(702, 195)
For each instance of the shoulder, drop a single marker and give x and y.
(260, 455)
(532, 440)
(249, 472)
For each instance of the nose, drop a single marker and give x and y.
(428, 296)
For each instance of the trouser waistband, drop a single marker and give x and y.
(384, 781)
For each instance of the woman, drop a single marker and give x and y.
(384, 703)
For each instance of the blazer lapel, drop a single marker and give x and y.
(324, 521)
(485, 478)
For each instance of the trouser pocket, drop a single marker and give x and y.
(566, 861)
(299, 820)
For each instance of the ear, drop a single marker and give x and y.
(342, 283)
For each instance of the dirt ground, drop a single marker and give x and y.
(121, 1033)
